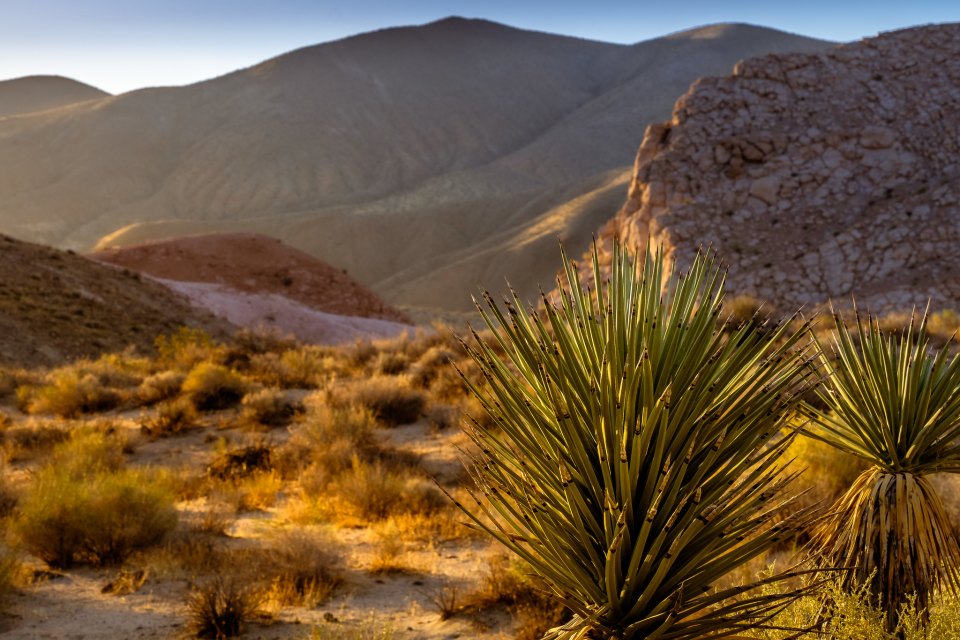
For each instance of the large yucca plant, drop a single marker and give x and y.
(634, 455)
(895, 403)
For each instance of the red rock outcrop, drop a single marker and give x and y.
(816, 176)
(254, 264)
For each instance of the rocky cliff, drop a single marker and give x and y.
(816, 176)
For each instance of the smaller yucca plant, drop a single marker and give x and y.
(895, 403)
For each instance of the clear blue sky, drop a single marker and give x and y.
(120, 45)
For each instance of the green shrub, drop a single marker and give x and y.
(100, 518)
(88, 452)
(212, 387)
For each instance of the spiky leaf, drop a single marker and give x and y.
(634, 455)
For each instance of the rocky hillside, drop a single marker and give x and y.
(38, 93)
(425, 160)
(816, 176)
(253, 263)
(57, 306)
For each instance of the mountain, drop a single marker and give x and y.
(816, 177)
(38, 93)
(57, 306)
(425, 160)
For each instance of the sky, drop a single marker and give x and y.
(120, 45)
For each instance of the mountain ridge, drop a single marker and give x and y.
(446, 134)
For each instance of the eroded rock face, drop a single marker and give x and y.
(816, 176)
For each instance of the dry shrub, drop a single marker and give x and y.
(245, 478)
(304, 569)
(391, 401)
(33, 438)
(160, 386)
(428, 367)
(360, 353)
(254, 492)
(171, 418)
(186, 553)
(331, 436)
(220, 607)
(390, 556)
(127, 581)
(238, 463)
(445, 524)
(253, 342)
(388, 363)
(9, 494)
(186, 348)
(536, 617)
(302, 368)
(833, 470)
(269, 408)
(443, 416)
(448, 383)
(213, 387)
(68, 393)
(746, 309)
(509, 585)
(117, 370)
(446, 599)
(101, 518)
(374, 491)
(11, 575)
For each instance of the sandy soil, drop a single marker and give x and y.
(70, 606)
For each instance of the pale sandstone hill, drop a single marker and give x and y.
(38, 93)
(57, 306)
(816, 176)
(253, 263)
(394, 154)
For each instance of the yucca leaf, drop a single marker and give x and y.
(895, 403)
(635, 454)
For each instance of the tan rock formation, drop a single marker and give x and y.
(816, 176)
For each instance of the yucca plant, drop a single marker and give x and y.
(634, 453)
(895, 403)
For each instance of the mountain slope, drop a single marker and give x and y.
(376, 153)
(57, 306)
(38, 93)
